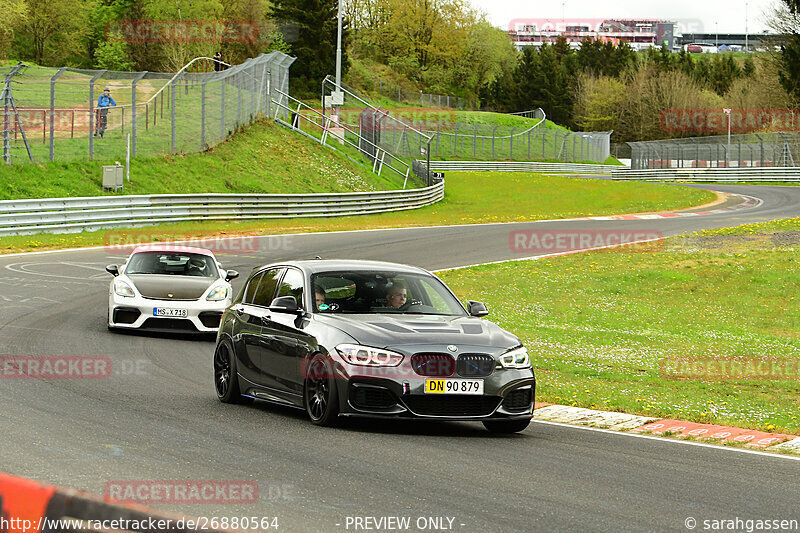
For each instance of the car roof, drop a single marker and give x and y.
(313, 266)
(172, 248)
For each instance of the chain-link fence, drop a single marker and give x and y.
(771, 149)
(58, 114)
(406, 132)
(407, 96)
(535, 143)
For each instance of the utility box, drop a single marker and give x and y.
(112, 177)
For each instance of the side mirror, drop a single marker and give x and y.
(231, 274)
(477, 308)
(113, 269)
(284, 304)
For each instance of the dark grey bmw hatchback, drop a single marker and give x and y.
(364, 338)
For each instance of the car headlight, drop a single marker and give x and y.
(516, 358)
(121, 288)
(367, 356)
(220, 293)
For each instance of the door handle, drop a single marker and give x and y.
(266, 320)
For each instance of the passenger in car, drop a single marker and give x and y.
(319, 296)
(396, 295)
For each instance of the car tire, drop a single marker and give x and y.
(506, 426)
(226, 382)
(320, 396)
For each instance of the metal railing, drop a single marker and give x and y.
(65, 215)
(524, 166)
(329, 132)
(51, 114)
(716, 175)
(375, 125)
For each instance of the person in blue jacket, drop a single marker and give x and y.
(103, 103)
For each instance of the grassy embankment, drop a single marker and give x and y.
(607, 329)
(263, 158)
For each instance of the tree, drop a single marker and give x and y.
(785, 19)
(488, 53)
(53, 28)
(310, 27)
(15, 13)
(599, 103)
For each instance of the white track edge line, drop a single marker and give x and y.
(667, 439)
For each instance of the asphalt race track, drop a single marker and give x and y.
(157, 418)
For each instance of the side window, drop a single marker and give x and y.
(251, 288)
(435, 299)
(292, 285)
(266, 289)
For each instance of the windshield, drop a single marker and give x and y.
(382, 292)
(170, 263)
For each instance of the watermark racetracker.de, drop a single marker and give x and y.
(534, 241)
(70, 367)
(179, 492)
(715, 121)
(730, 368)
(124, 242)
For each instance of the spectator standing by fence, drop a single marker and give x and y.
(103, 103)
(218, 64)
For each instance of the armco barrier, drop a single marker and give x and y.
(524, 166)
(63, 215)
(28, 507)
(716, 175)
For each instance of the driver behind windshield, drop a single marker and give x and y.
(396, 296)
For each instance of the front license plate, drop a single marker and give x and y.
(170, 313)
(454, 386)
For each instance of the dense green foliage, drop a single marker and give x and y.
(549, 76)
(311, 27)
(102, 34)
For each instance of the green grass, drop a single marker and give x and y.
(598, 325)
(263, 158)
(470, 197)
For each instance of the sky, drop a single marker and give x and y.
(700, 16)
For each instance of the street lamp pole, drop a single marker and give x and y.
(339, 47)
(727, 111)
(746, 32)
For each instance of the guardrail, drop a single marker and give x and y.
(524, 166)
(717, 175)
(65, 215)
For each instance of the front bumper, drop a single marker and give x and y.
(202, 316)
(400, 393)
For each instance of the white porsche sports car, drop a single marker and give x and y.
(169, 288)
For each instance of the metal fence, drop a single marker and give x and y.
(481, 142)
(52, 114)
(771, 149)
(426, 99)
(382, 137)
(63, 215)
(344, 138)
